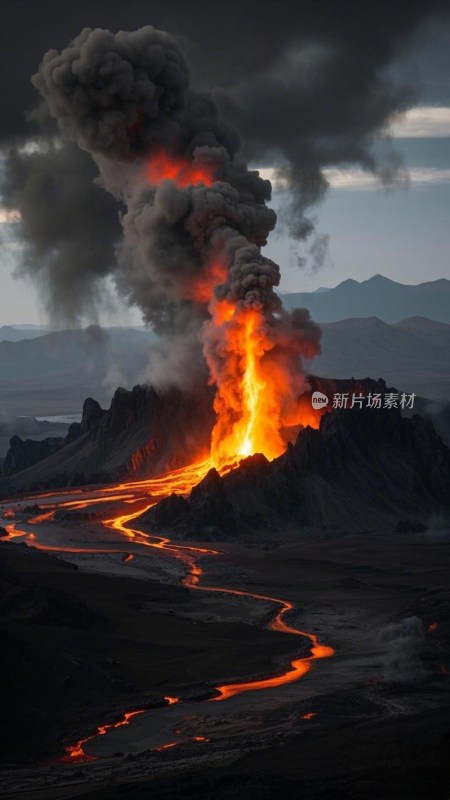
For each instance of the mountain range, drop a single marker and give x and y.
(413, 354)
(377, 297)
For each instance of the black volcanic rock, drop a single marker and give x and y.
(24, 453)
(364, 469)
(92, 414)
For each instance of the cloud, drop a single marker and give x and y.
(358, 179)
(354, 179)
(9, 215)
(423, 122)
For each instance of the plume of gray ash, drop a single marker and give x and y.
(195, 217)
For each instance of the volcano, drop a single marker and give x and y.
(361, 471)
(349, 469)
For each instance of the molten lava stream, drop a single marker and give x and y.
(181, 480)
(298, 667)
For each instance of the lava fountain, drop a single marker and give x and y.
(253, 348)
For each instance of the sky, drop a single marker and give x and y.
(401, 231)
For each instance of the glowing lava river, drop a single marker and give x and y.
(133, 499)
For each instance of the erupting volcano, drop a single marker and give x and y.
(252, 350)
(196, 220)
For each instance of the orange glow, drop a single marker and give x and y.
(14, 532)
(146, 493)
(167, 746)
(164, 166)
(310, 715)
(41, 518)
(201, 288)
(257, 393)
(432, 627)
(76, 753)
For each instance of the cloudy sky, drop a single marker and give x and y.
(400, 230)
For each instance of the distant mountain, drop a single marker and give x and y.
(413, 354)
(15, 333)
(377, 297)
(86, 349)
(52, 374)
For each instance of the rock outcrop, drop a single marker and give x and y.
(23, 453)
(142, 433)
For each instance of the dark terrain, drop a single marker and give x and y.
(350, 525)
(117, 647)
(364, 470)
(382, 724)
(143, 432)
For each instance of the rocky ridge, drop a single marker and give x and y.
(364, 469)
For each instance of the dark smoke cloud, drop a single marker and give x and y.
(324, 98)
(68, 225)
(122, 98)
(115, 93)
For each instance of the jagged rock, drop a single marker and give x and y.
(24, 453)
(362, 470)
(142, 433)
(92, 414)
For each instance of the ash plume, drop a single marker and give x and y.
(123, 98)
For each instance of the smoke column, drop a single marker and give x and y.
(195, 221)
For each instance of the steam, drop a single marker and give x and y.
(403, 644)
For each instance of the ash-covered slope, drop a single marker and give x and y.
(364, 469)
(142, 433)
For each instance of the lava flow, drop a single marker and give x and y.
(189, 556)
(146, 493)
